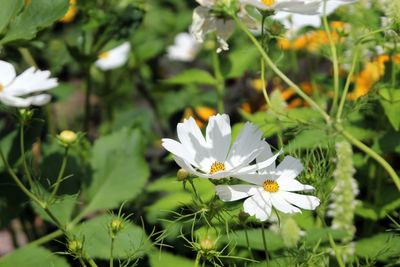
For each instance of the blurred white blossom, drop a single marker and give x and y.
(114, 58)
(185, 48)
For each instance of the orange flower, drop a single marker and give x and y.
(200, 114)
(71, 13)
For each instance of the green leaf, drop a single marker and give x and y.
(131, 242)
(29, 256)
(193, 76)
(120, 170)
(309, 139)
(37, 15)
(390, 101)
(7, 11)
(163, 259)
(240, 61)
(62, 209)
(381, 247)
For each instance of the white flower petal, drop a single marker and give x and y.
(14, 101)
(259, 206)
(192, 139)
(286, 184)
(179, 150)
(115, 58)
(263, 164)
(289, 168)
(218, 136)
(7, 73)
(31, 81)
(234, 192)
(302, 201)
(263, 156)
(282, 205)
(39, 100)
(247, 141)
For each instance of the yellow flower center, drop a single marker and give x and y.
(270, 186)
(104, 55)
(217, 167)
(268, 2)
(1, 87)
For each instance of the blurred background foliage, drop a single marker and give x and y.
(121, 160)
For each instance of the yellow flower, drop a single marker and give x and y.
(71, 13)
(200, 114)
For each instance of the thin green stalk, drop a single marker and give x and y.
(82, 262)
(112, 252)
(197, 261)
(334, 58)
(46, 238)
(278, 72)
(265, 243)
(22, 147)
(248, 243)
(18, 181)
(87, 100)
(347, 85)
(372, 154)
(219, 87)
(264, 84)
(337, 252)
(60, 174)
(27, 56)
(91, 262)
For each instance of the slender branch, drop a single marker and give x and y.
(60, 174)
(265, 243)
(220, 82)
(264, 85)
(22, 147)
(348, 81)
(371, 153)
(334, 59)
(18, 181)
(278, 72)
(197, 261)
(112, 252)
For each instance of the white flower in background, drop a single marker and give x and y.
(213, 156)
(114, 58)
(185, 48)
(294, 22)
(294, 6)
(21, 91)
(271, 187)
(206, 21)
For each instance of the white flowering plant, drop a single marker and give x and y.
(199, 133)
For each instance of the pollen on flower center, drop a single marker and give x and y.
(104, 55)
(217, 167)
(270, 186)
(268, 2)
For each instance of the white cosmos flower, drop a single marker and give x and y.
(294, 22)
(114, 58)
(21, 91)
(213, 156)
(205, 21)
(185, 48)
(294, 6)
(271, 187)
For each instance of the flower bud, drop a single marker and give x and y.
(207, 244)
(116, 225)
(68, 137)
(75, 246)
(26, 114)
(182, 175)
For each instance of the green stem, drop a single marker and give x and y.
(264, 85)
(220, 82)
(337, 252)
(197, 261)
(112, 252)
(278, 72)
(22, 147)
(27, 56)
(248, 243)
(334, 58)
(82, 262)
(87, 100)
(265, 243)
(91, 262)
(18, 181)
(347, 85)
(371, 153)
(60, 174)
(46, 238)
